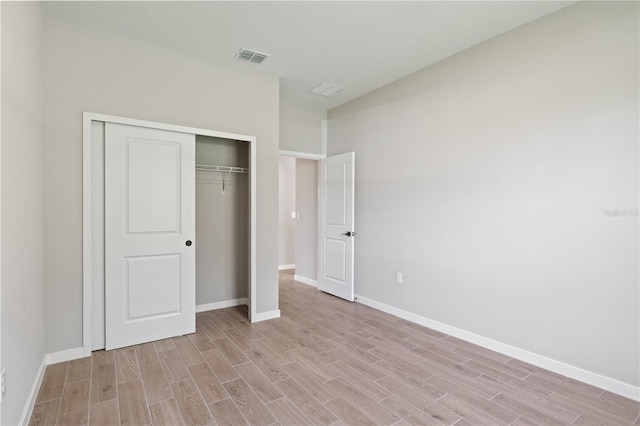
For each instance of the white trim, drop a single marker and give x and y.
(91, 116)
(87, 249)
(305, 280)
(253, 243)
(62, 356)
(284, 267)
(221, 305)
(87, 118)
(318, 224)
(98, 317)
(1, 229)
(577, 373)
(33, 394)
(307, 155)
(264, 316)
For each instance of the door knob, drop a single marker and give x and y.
(188, 243)
(349, 234)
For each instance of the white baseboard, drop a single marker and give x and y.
(577, 373)
(305, 280)
(62, 356)
(264, 316)
(221, 305)
(33, 394)
(290, 266)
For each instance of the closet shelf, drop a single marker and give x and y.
(226, 169)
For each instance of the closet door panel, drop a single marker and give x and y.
(153, 202)
(149, 219)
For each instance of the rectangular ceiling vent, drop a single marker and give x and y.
(252, 56)
(326, 89)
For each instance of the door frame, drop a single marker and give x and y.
(317, 158)
(87, 217)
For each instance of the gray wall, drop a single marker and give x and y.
(22, 198)
(307, 225)
(90, 70)
(487, 179)
(287, 204)
(301, 128)
(222, 222)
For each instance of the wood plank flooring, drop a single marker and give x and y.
(325, 362)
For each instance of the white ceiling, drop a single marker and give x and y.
(359, 45)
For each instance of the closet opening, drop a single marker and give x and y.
(222, 223)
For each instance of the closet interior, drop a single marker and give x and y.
(222, 222)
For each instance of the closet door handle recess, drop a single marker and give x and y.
(188, 243)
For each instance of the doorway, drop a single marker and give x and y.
(298, 217)
(318, 194)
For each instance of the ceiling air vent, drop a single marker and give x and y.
(326, 89)
(252, 56)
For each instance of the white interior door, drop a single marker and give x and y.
(149, 234)
(337, 231)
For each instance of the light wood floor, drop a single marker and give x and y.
(326, 361)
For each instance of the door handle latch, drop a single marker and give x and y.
(349, 234)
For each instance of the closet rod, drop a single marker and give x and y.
(212, 168)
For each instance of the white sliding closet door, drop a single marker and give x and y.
(149, 234)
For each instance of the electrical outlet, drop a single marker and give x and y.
(398, 277)
(3, 383)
